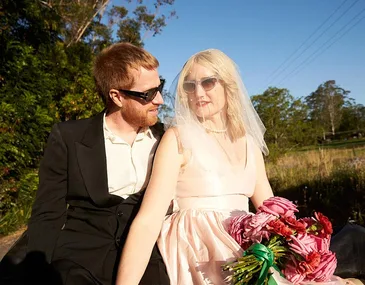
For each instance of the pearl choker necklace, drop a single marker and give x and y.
(215, 131)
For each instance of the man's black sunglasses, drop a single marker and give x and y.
(148, 95)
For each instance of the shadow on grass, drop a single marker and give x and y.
(340, 197)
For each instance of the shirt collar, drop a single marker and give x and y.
(146, 131)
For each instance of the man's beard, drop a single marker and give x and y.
(139, 117)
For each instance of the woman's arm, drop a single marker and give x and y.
(146, 226)
(263, 189)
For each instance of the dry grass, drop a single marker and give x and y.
(330, 180)
(299, 167)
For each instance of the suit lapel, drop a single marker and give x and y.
(92, 162)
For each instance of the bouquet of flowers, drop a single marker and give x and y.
(274, 239)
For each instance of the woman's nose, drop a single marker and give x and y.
(199, 91)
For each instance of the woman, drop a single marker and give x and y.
(210, 163)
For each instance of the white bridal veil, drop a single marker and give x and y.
(192, 132)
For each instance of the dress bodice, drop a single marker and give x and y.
(208, 188)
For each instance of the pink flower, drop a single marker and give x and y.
(237, 227)
(308, 221)
(291, 271)
(325, 269)
(316, 267)
(256, 228)
(278, 206)
(303, 244)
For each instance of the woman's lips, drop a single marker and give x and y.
(202, 103)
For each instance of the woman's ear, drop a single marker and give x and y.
(116, 97)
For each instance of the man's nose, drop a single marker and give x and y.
(158, 100)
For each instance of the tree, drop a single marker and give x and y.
(353, 118)
(283, 116)
(83, 20)
(27, 114)
(326, 107)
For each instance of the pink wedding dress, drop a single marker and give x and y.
(194, 242)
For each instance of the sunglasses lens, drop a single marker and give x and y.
(189, 87)
(162, 84)
(209, 83)
(151, 94)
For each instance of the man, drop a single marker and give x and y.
(93, 172)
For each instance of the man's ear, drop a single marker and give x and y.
(116, 97)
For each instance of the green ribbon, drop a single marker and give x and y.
(266, 255)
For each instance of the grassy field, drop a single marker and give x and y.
(330, 180)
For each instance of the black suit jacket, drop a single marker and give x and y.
(74, 217)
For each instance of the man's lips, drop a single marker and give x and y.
(154, 111)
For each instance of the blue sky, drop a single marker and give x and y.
(260, 35)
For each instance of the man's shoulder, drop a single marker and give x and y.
(77, 127)
(75, 123)
(158, 129)
(80, 122)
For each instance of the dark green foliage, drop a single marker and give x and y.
(286, 121)
(17, 199)
(46, 54)
(322, 117)
(27, 112)
(326, 107)
(353, 120)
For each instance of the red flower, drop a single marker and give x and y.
(325, 269)
(296, 225)
(278, 227)
(325, 222)
(311, 262)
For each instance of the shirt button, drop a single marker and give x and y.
(120, 214)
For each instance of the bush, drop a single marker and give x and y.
(16, 201)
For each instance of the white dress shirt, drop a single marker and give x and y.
(128, 167)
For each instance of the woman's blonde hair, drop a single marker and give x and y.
(226, 70)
